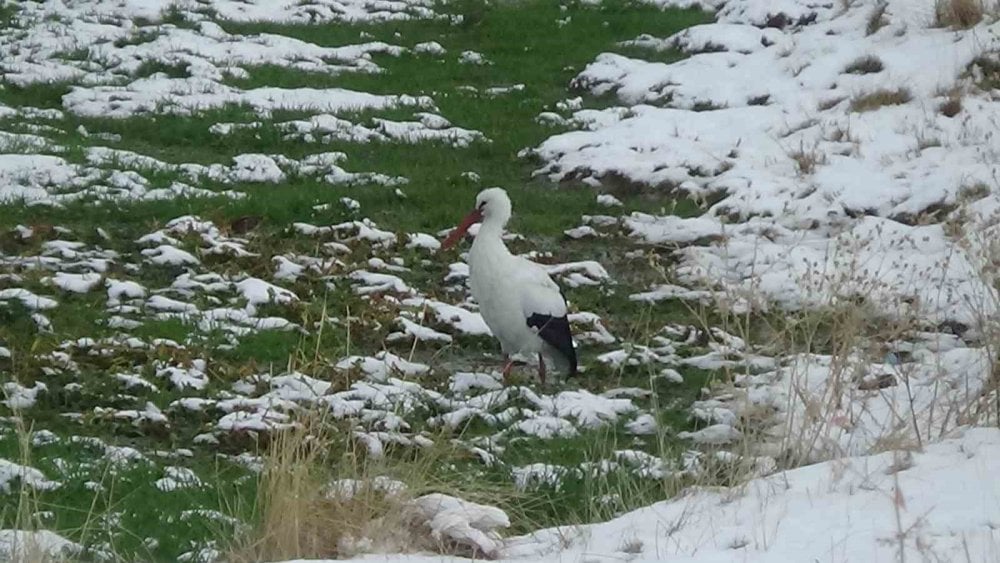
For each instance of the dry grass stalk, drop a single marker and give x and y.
(985, 69)
(849, 335)
(312, 504)
(26, 547)
(868, 64)
(806, 161)
(297, 517)
(876, 20)
(982, 245)
(880, 98)
(831, 103)
(959, 14)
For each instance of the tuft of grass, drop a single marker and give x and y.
(877, 19)
(807, 160)
(175, 16)
(868, 64)
(320, 497)
(47, 95)
(149, 68)
(293, 520)
(924, 142)
(985, 71)
(829, 104)
(27, 506)
(880, 98)
(951, 107)
(958, 14)
(705, 105)
(138, 38)
(971, 193)
(8, 11)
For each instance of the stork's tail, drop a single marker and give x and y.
(566, 362)
(557, 336)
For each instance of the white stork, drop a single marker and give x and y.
(520, 303)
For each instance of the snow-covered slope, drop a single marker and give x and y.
(942, 504)
(828, 146)
(845, 155)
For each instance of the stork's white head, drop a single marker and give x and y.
(494, 205)
(492, 208)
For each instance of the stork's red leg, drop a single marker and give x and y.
(541, 368)
(508, 364)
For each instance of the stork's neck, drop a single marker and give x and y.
(489, 239)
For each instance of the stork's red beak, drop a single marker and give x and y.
(474, 217)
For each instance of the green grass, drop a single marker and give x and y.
(437, 196)
(7, 13)
(41, 95)
(114, 508)
(526, 46)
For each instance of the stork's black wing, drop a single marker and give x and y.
(555, 332)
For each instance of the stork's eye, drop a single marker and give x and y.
(482, 205)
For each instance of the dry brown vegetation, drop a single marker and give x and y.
(876, 20)
(829, 104)
(880, 98)
(985, 72)
(869, 64)
(806, 160)
(321, 497)
(852, 335)
(300, 516)
(951, 107)
(959, 14)
(26, 547)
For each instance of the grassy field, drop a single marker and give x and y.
(114, 507)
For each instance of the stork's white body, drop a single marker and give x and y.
(518, 300)
(508, 290)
